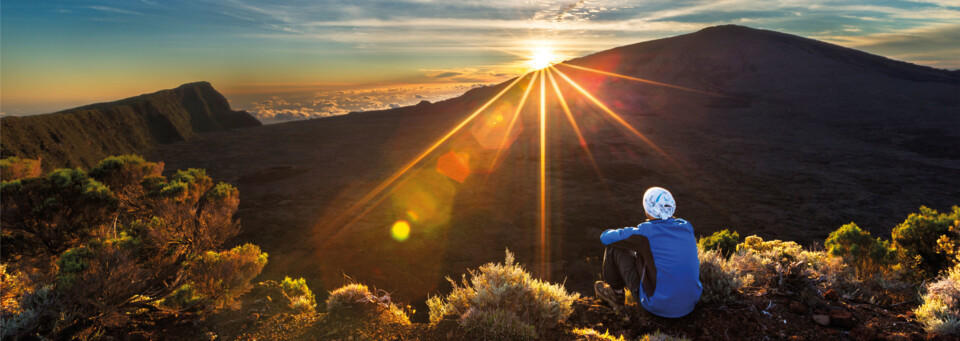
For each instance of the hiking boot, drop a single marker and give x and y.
(605, 293)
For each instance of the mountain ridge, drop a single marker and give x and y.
(81, 136)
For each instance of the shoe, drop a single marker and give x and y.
(605, 293)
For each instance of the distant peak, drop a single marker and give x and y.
(200, 84)
(728, 28)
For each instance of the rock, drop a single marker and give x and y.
(795, 338)
(841, 318)
(798, 308)
(864, 333)
(831, 295)
(896, 337)
(822, 320)
(253, 317)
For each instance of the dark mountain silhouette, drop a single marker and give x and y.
(81, 136)
(785, 137)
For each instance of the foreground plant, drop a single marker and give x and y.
(940, 311)
(118, 244)
(502, 300)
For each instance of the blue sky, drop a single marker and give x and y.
(58, 54)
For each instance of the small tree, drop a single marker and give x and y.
(918, 241)
(858, 248)
(103, 257)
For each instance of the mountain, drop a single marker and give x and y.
(82, 136)
(776, 135)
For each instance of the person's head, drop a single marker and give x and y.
(658, 203)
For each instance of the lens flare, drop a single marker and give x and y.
(400, 230)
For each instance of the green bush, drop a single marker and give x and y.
(858, 248)
(185, 297)
(506, 287)
(926, 241)
(301, 298)
(724, 240)
(224, 276)
(940, 311)
(773, 249)
(15, 168)
(720, 280)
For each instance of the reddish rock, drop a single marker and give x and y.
(831, 295)
(795, 338)
(864, 333)
(841, 318)
(822, 320)
(941, 337)
(896, 337)
(798, 308)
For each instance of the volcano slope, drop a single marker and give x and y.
(784, 137)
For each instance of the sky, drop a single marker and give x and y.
(302, 59)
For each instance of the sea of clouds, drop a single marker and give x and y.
(275, 108)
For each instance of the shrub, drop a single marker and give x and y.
(506, 287)
(658, 336)
(301, 298)
(372, 315)
(773, 249)
(589, 334)
(106, 257)
(497, 324)
(721, 281)
(858, 248)
(223, 276)
(918, 241)
(42, 217)
(724, 241)
(15, 168)
(940, 311)
(831, 272)
(185, 297)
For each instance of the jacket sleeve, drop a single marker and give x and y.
(615, 235)
(634, 242)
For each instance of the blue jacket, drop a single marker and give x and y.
(674, 250)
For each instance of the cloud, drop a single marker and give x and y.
(115, 10)
(326, 103)
(935, 45)
(447, 74)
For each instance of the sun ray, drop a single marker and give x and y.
(607, 110)
(544, 247)
(611, 74)
(576, 128)
(513, 121)
(396, 175)
(622, 122)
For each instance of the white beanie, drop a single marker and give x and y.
(659, 203)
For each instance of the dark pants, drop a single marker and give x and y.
(620, 269)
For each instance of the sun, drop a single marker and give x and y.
(541, 58)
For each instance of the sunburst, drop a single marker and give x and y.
(542, 62)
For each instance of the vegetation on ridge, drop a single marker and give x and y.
(122, 249)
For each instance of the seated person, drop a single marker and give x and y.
(657, 261)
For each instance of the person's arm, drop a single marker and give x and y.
(615, 235)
